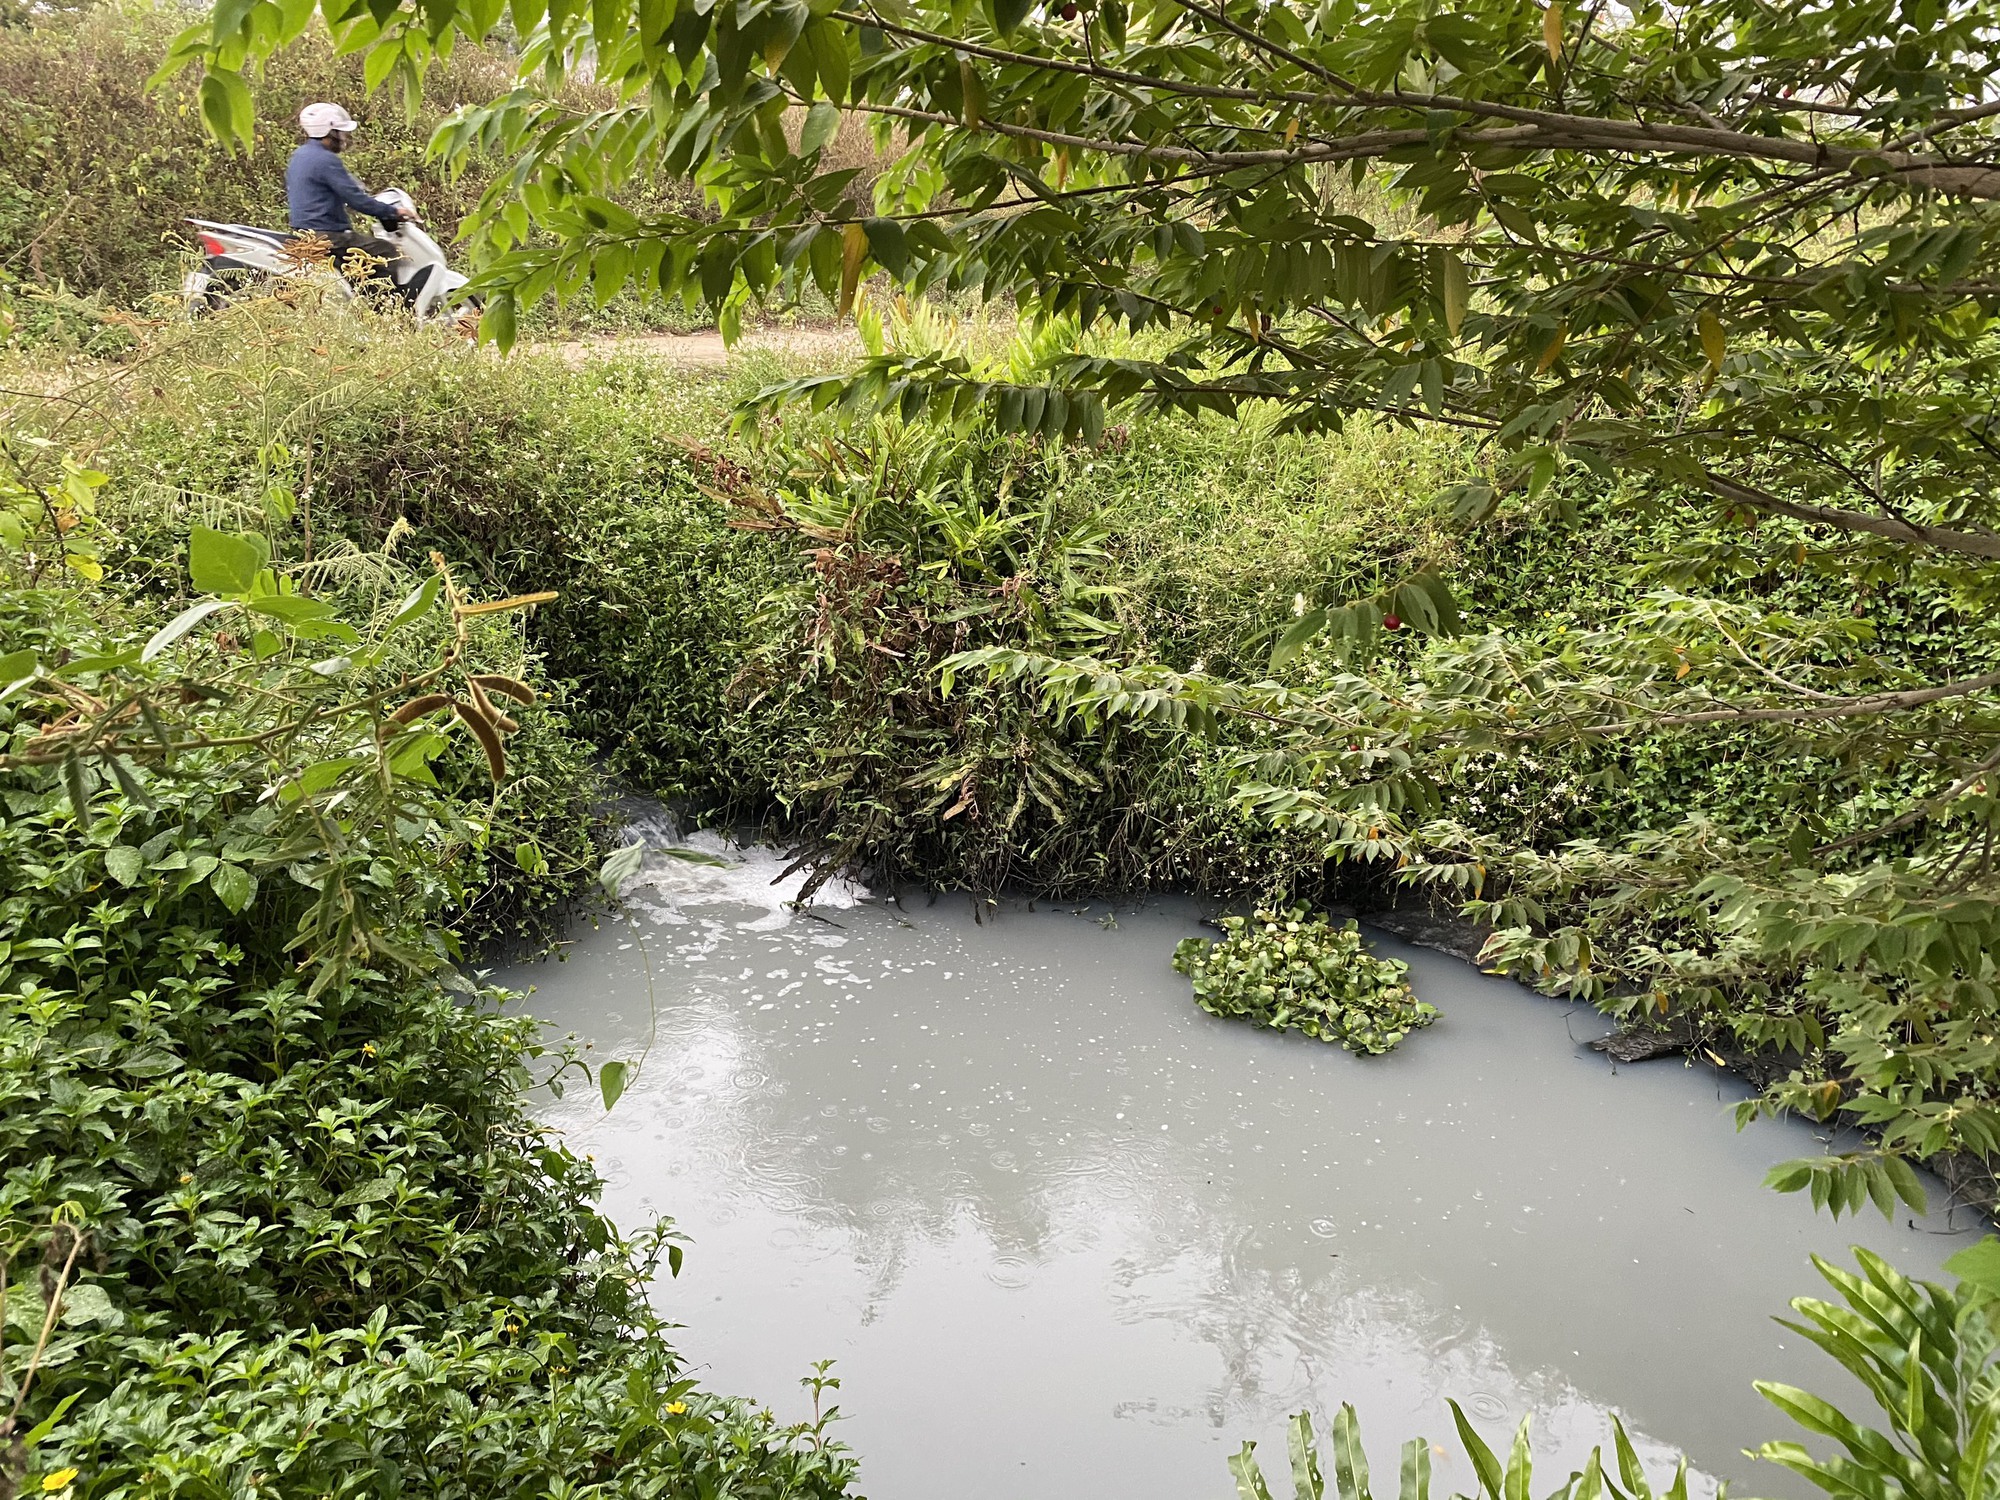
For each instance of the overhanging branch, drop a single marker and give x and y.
(1890, 528)
(1536, 129)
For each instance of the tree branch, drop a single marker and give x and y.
(1551, 129)
(1938, 538)
(1867, 705)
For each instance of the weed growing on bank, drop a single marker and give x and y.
(757, 624)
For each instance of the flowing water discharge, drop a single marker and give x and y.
(1064, 1233)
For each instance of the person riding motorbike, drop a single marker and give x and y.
(319, 190)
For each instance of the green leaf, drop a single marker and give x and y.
(320, 775)
(87, 1302)
(414, 758)
(1629, 1468)
(226, 563)
(1590, 1485)
(124, 864)
(226, 107)
(17, 666)
(1978, 1265)
(1350, 1460)
(180, 625)
(150, 1062)
(1484, 1464)
(620, 866)
(129, 783)
(375, 1190)
(1306, 1481)
(529, 859)
(416, 604)
(1714, 342)
(822, 123)
(1520, 1465)
(1441, 609)
(496, 324)
(233, 885)
(1416, 1470)
(48, 1424)
(1909, 1187)
(1790, 1176)
(826, 43)
(78, 789)
(1293, 641)
(887, 244)
(291, 608)
(1006, 15)
(1249, 1478)
(1456, 289)
(1914, 1384)
(611, 1080)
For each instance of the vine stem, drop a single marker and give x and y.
(49, 1316)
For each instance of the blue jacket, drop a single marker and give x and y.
(320, 190)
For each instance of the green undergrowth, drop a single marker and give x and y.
(275, 1217)
(98, 176)
(754, 624)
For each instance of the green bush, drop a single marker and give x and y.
(1293, 971)
(274, 1215)
(750, 672)
(56, 322)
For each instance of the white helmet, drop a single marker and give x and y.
(317, 120)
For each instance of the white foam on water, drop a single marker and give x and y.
(753, 876)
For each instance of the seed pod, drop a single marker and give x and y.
(486, 734)
(508, 687)
(416, 708)
(483, 703)
(505, 723)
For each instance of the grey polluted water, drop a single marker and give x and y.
(1064, 1233)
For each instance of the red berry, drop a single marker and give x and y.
(1069, 12)
(1392, 622)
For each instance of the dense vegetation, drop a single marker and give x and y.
(1587, 516)
(275, 1216)
(362, 1153)
(764, 628)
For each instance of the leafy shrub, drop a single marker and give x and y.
(259, 1140)
(1293, 971)
(55, 321)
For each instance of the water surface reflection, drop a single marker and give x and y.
(1062, 1231)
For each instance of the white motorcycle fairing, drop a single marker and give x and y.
(236, 252)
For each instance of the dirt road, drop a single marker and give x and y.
(705, 350)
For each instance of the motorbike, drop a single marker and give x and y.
(236, 257)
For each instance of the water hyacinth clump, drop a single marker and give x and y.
(1291, 970)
